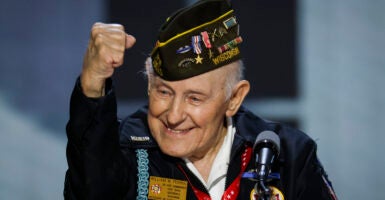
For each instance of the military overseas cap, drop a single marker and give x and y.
(197, 39)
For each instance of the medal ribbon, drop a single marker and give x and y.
(195, 43)
(206, 39)
(230, 45)
(232, 191)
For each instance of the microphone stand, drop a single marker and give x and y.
(262, 172)
(266, 148)
(261, 187)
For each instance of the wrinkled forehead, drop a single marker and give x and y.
(212, 81)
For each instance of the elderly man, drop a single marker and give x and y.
(193, 140)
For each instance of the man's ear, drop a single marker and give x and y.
(237, 96)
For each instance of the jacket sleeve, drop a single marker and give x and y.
(313, 182)
(95, 163)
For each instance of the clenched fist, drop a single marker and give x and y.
(105, 52)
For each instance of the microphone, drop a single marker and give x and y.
(266, 149)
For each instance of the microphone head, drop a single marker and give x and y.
(268, 138)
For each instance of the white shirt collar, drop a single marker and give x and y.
(217, 178)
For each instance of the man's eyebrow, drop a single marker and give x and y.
(160, 82)
(199, 92)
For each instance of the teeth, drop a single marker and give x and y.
(176, 131)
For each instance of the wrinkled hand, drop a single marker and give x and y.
(105, 52)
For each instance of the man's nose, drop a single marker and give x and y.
(176, 113)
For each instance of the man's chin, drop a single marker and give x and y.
(178, 153)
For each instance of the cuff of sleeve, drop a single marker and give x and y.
(108, 91)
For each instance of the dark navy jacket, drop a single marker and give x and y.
(103, 164)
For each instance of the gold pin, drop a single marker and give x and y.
(198, 60)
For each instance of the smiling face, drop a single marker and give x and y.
(186, 117)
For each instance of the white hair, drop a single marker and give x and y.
(234, 72)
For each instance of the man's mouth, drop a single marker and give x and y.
(178, 131)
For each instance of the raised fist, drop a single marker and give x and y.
(105, 52)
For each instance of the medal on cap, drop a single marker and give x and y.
(207, 43)
(230, 45)
(228, 23)
(206, 39)
(183, 49)
(195, 43)
(198, 60)
(276, 194)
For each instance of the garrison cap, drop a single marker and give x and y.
(197, 39)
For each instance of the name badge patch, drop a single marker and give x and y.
(166, 188)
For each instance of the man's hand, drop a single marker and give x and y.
(105, 52)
